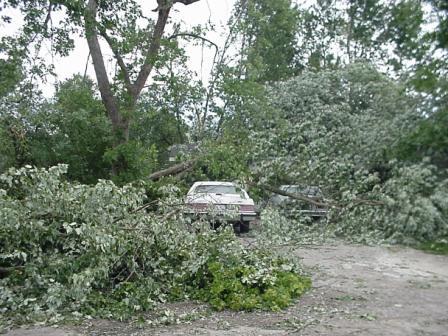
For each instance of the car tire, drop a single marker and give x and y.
(214, 224)
(236, 228)
(244, 226)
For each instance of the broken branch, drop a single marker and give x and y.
(173, 170)
(291, 195)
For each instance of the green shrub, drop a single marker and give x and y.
(252, 281)
(436, 247)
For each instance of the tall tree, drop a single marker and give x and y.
(121, 114)
(267, 32)
(260, 48)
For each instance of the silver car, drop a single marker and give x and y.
(298, 206)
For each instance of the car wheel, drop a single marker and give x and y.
(244, 226)
(214, 224)
(236, 228)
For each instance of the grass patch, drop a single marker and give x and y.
(435, 247)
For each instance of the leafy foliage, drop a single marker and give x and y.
(226, 162)
(73, 130)
(277, 229)
(135, 160)
(428, 139)
(10, 75)
(89, 250)
(414, 207)
(336, 129)
(269, 41)
(330, 124)
(247, 287)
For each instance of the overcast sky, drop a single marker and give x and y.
(217, 11)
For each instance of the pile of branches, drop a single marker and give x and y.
(72, 249)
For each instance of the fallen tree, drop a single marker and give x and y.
(317, 202)
(294, 196)
(65, 254)
(188, 165)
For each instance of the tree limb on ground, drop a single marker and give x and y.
(173, 170)
(6, 271)
(291, 195)
(188, 165)
(328, 203)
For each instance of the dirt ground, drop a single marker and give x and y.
(357, 290)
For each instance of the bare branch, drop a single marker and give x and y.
(87, 65)
(213, 63)
(164, 9)
(218, 65)
(119, 59)
(48, 18)
(356, 202)
(185, 2)
(143, 207)
(152, 53)
(195, 36)
(45, 24)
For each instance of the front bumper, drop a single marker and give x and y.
(248, 217)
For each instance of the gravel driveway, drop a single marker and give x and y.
(357, 290)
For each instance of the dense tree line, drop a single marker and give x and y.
(268, 41)
(333, 93)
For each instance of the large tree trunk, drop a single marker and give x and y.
(120, 125)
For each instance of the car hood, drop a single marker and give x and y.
(219, 199)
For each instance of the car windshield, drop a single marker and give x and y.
(217, 189)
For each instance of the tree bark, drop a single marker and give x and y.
(109, 100)
(328, 203)
(151, 56)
